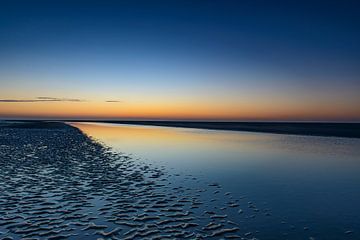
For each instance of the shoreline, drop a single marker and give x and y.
(346, 130)
(59, 183)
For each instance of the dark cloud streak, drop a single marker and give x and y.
(41, 99)
(60, 99)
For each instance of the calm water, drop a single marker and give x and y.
(304, 187)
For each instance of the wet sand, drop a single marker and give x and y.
(57, 183)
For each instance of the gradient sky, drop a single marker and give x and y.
(208, 60)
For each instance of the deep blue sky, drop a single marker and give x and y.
(306, 53)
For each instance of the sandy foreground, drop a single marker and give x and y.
(57, 183)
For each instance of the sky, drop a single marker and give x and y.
(181, 60)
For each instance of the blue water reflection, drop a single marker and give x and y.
(311, 185)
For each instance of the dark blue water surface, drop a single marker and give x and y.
(287, 187)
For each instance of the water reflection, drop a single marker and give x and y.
(180, 145)
(311, 184)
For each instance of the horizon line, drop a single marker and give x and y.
(177, 120)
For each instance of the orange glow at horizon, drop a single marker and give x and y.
(177, 110)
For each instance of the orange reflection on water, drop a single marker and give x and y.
(166, 142)
(166, 135)
(171, 142)
(222, 149)
(184, 146)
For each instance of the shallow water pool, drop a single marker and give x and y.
(287, 186)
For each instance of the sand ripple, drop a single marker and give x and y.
(56, 183)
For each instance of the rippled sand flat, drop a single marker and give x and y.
(56, 183)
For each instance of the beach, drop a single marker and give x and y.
(156, 120)
(57, 183)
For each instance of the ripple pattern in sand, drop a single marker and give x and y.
(60, 184)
